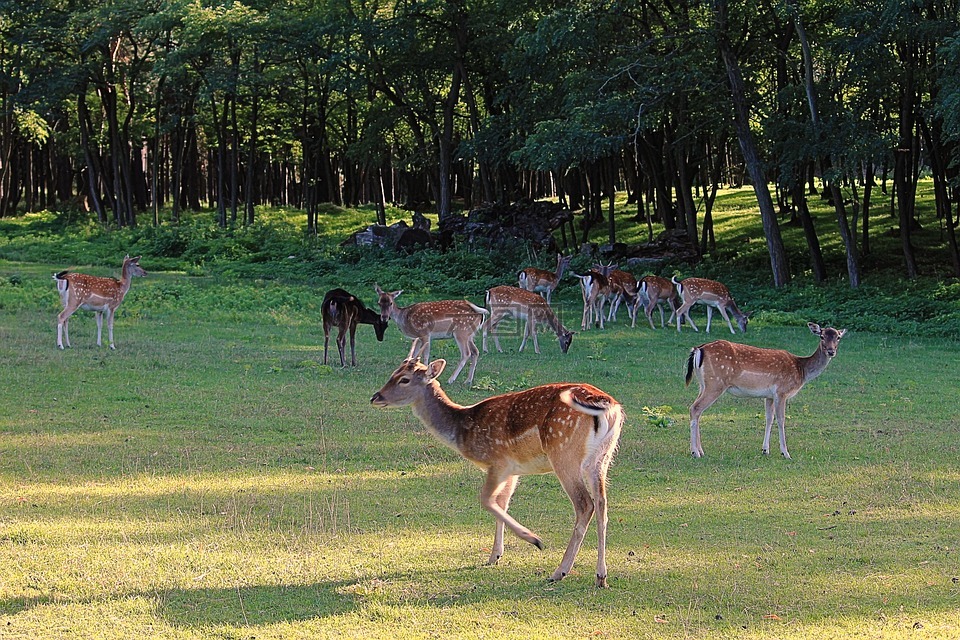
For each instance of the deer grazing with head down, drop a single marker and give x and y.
(745, 371)
(423, 321)
(654, 291)
(570, 430)
(93, 293)
(345, 311)
(543, 281)
(506, 302)
(714, 295)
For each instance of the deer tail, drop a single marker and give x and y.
(694, 360)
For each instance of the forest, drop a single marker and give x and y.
(138, 111)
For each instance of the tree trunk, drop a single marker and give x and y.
(748, 146)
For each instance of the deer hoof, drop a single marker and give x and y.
(602, 582)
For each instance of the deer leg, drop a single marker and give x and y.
(596, 474)
(110, 315)
(342, 344)
(63, 326)
(723, 312)
(353, 343)
(571, 479)
(709, 317)
(768, 406)
(474, 358)
(326, 341)
(492, 487)
(532, 324)
(701, 404)
(503, 500)
(781, 409)
(98, 315)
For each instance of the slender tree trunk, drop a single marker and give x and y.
(751, 156)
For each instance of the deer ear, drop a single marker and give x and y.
(841, 332)
(376, 287)
(397, 293)
(814, 328)
(435, 368)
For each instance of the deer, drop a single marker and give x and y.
(752, 372)
(542, 281)
(623, 288)
(507, 301)
(568, 429)
(345, 311)
(423, 321)
(711, 293)
(596, 289)
(93, 293)
(654, 291)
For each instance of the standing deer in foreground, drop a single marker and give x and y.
(542, 281)
(510, 301)
(345, 311)
(423, 321)
(654, 291)
(711, 293)
(93, 293)
(570, 430)
(751, 372)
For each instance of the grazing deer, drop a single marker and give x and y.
(745, 371)
(595, 289)
(542, 281)
(570, 430)
(654, 291)
(523, 305)
(345, 311)
(93, 293)
(711, 293)
(423, 321)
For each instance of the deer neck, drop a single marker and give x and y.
(550, 318)
(401, 316)
(125, 281)
(560, 269)
(813, 365)
(439, 414)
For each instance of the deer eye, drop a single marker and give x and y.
(404, 380)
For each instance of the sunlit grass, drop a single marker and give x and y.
(211, 479)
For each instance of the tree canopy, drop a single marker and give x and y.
(131, 108)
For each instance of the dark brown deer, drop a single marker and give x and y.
(345, 311)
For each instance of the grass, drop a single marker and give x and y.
(211, 478)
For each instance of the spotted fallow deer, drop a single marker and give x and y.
(714, 295)
(93, 293)
(745, 371)
(623, 288)
(345, 311)
(654, 291)
(567, 429)
(596, 290)
(506, 302)
(542, 281)
(423, 321)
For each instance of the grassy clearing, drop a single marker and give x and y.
(210, 479)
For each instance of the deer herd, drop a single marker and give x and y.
(568, 429)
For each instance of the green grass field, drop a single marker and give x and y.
(211, 479)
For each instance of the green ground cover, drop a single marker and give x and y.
(211, 479)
